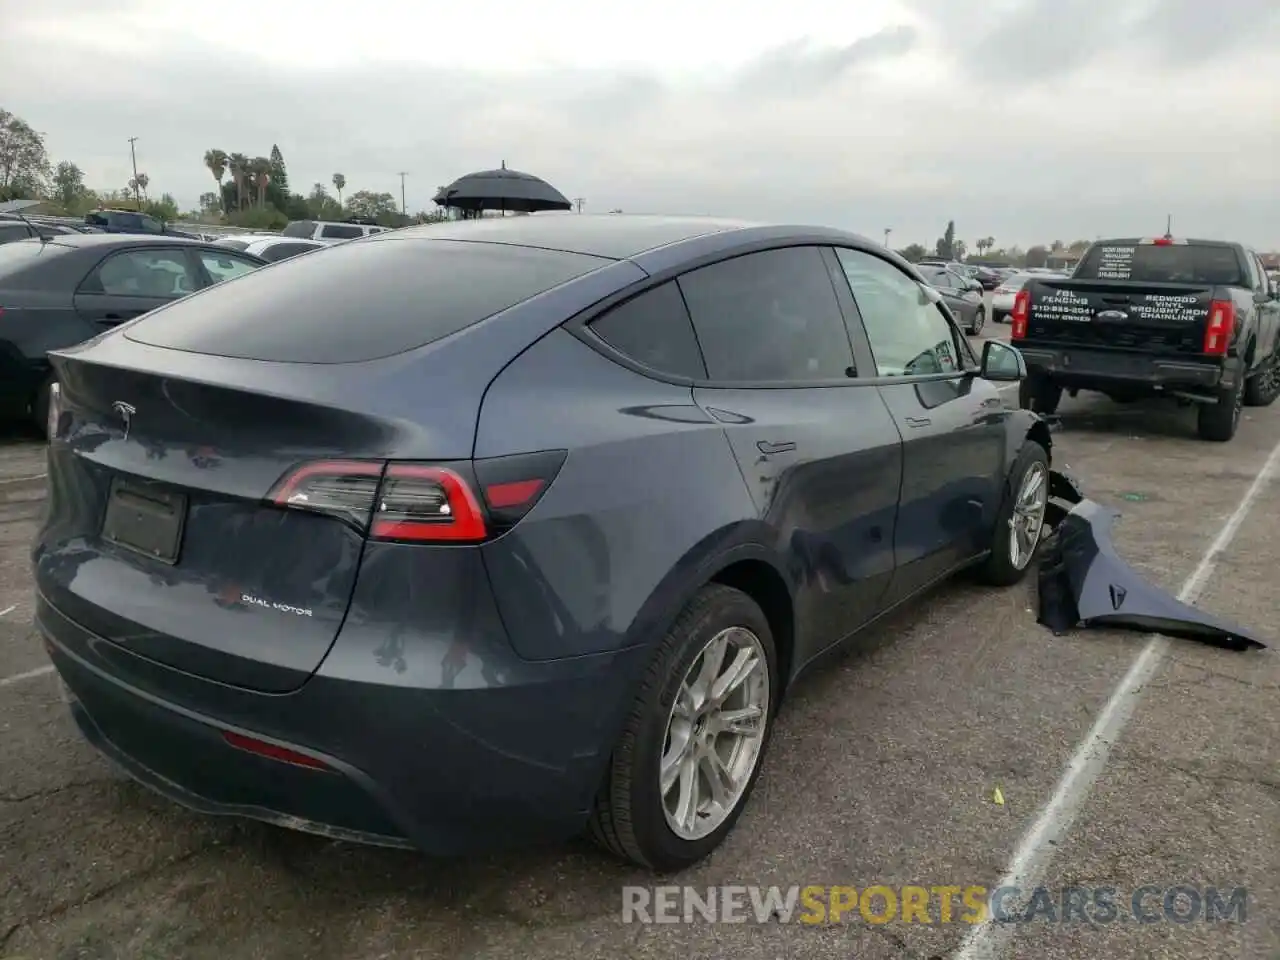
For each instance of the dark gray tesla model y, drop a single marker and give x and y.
(491, 531)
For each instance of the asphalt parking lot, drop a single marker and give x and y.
(883, 770)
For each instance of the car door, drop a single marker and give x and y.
(129, 282)
(817, 448)
(950, 420)
(1268, 309)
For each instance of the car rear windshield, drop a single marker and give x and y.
(299, 228)
(1205, 263)
(359, 301)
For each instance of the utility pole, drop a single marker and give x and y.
(133, 155)
(578, 202)
(887, 231)
(1168, 226)
(403, 209)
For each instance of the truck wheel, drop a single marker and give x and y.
(1263, 387)
(1039, 394)
(1218, 421)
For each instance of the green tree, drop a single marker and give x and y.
(945, 246)
(366, 203)
(164, 209)
(958, 250)
(210, 203)
(1037, 256)
(238, 167)
(216, 161)
(24, 162)
(278, 188)
(260, 177)
(68, 184)
(339, 184)
(913, 252)
(321, 206)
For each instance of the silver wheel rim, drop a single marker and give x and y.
(714, 733)
(1027, 519)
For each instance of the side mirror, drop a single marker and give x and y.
(1001, 362)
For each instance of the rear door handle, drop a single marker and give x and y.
(767, 447)
(918, 421)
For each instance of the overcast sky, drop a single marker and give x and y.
(1026, 120)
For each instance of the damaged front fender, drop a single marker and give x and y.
(1083, 582)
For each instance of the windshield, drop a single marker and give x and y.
(299, 228)
(1214, 264)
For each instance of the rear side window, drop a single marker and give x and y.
(146, 272)
(769, 317)
(360, 301)
(654, 329)
(1151, 263)
(13, 231)
(233, 244)
(299, 228)
(341, 231)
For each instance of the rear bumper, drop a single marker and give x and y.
(1087, 369)
(445, 771)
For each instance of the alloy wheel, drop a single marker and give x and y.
(1027, 519)
(715, 733)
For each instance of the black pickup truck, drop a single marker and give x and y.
(1195, 320)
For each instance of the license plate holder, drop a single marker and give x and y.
(145, 519)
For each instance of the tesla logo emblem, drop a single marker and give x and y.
(126, 411)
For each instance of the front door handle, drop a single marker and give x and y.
(918, 421)
(767, 447)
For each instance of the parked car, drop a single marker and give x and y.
(21, 228)
(67, 289)
(1194, 320)
(330, 230)
(271, 247)
(542, 554)
(988, 277)
(1006, 293)
(132, 221)
(958, 294)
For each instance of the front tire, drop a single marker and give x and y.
(979, 319)
(1039, 394)
(1020, 520)
(694, 741)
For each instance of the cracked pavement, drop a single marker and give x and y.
(881, 771)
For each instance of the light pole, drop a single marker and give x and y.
(403, 209)
(133, 155)
(887, 231)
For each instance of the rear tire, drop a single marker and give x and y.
(1039, 394)
(979, 319)
(1217, 422)
(633, 816)
(1023, 510)
(1261, 389)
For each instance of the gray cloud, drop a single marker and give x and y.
(906, 128)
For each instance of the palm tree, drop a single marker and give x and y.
(143, 180)
(261, 171)
(216, 161)
(238, 164)
(339, 183)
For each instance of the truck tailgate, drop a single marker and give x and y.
(1162, 319)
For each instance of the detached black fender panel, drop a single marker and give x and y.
(1083, 582)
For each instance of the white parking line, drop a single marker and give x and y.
(9, 609)
(34, 476)
(986, 941)
(29, 675)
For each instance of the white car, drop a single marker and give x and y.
(1003, 296)
(330, 230)
(272, 246)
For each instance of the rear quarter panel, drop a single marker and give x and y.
(649, 495)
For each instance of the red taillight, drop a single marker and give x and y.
(272, 751)
(1163, 241)
(1021, 310)
(1222, 323)
(421, 502)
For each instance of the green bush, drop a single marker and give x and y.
(261, 218)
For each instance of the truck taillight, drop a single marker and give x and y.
(1222, 323)
(1021, 311)
(421, 502)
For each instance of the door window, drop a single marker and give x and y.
(769, 317)
(13, 231)
(143, 273)
(654, 329)
(224, 266)
(907, 330)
